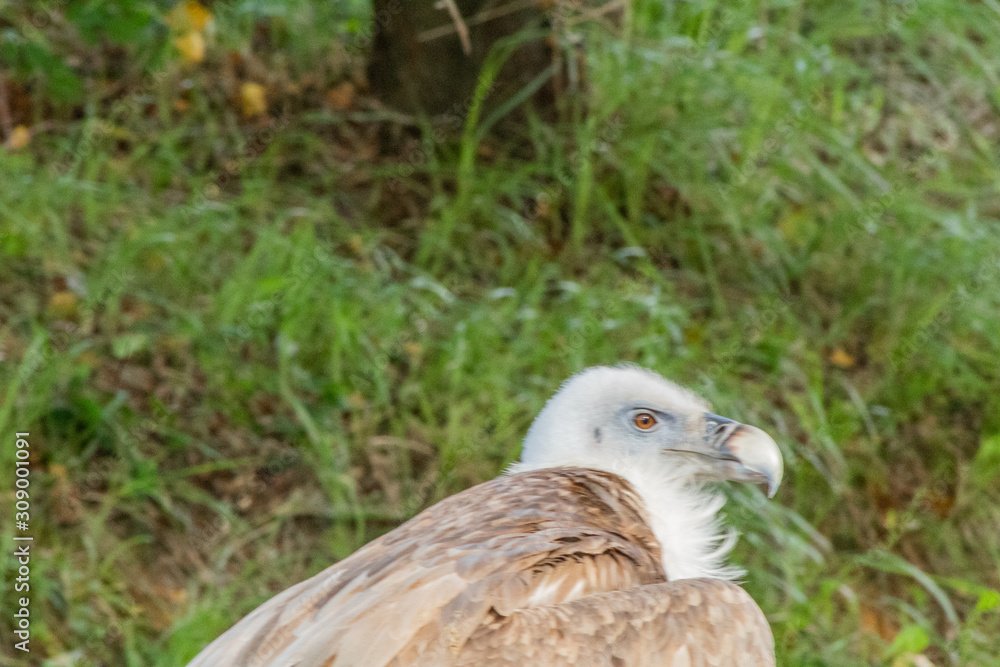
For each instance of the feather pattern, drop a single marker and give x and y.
(556, 566)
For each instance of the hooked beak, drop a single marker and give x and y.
(742, 453)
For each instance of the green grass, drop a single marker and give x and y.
(244, 348)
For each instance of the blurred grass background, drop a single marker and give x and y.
(252, 319)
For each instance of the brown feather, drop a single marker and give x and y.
(696, 622)
(556, 566)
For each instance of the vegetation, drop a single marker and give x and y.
(251, 319)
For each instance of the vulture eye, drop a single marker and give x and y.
(644, 421)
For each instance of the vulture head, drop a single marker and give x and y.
(664, 440)
(625, 417)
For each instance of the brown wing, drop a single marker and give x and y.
(686, 623)
(416, 595)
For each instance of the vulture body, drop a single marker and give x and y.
(601, 547)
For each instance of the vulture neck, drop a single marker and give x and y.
(683, 517)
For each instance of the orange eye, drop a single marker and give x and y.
(644, 420)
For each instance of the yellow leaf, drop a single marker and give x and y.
(356, 243)
(62, 305)
(192, 46)
(19, 138)
(176, 595)
(840, 358)
(341, 97)
(794, 225)
(189, 16)
(253, 99)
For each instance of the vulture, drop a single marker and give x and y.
(600, 547)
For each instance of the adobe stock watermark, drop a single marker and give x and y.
(22, 543)
(985, 277)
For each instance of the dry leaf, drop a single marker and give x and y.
(62, 305)
(66, 506)
(58, 472)
(414, 351)
(356, 244)
(175, 595)
(840, 358)
(941, 502)
(189, 21)
(253, 99)
(189, 16)
(191, 46)
(875, 621)
(341, 97)
(19, 138)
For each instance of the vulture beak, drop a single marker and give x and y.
(741, 453)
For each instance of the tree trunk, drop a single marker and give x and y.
(418, 62)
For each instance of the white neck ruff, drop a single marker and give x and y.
(683, 517)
